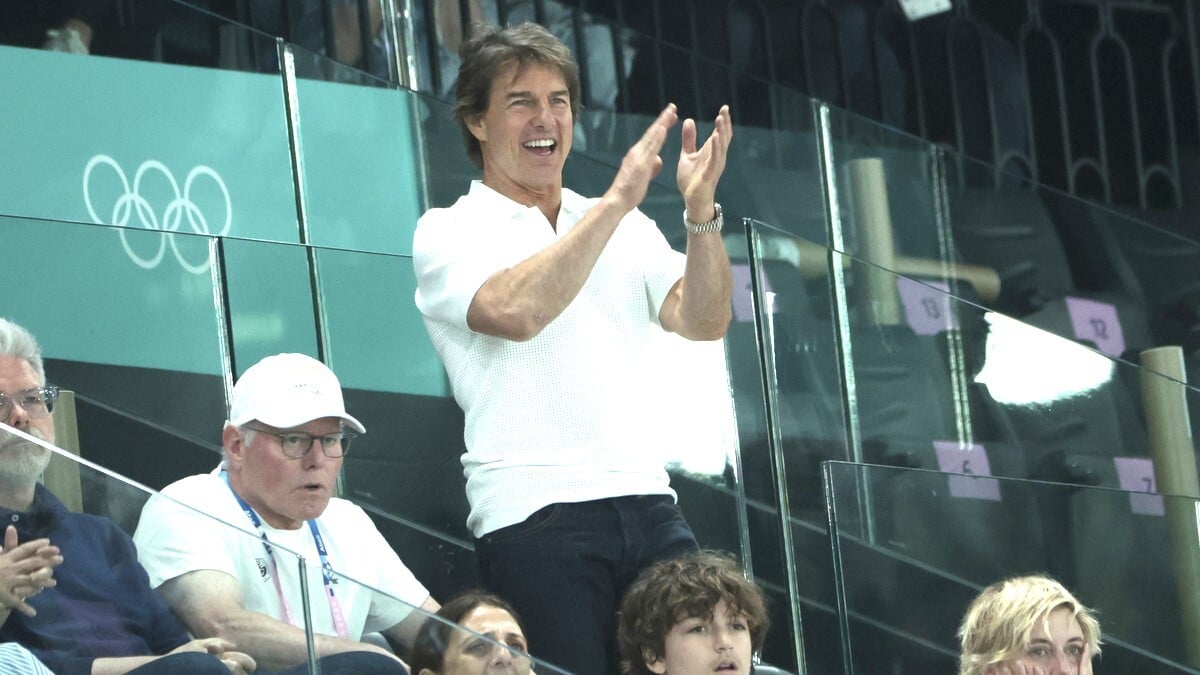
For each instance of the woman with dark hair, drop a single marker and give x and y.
(493, 641)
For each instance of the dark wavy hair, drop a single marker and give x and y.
(673, 590)
(488, 52)
(429, 648)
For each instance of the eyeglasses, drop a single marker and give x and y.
(296, 444)
(36, 402)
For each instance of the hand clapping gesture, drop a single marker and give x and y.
(642, 163)
(699, 170)
(25, 569)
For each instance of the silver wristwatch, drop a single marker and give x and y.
(713, 225)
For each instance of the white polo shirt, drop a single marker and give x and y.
(196, 523)
(566, 416)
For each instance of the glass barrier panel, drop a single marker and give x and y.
(1008, 244)
(477, 642)
(885, 182)
(448, 172)
(433, 55)
(270, 297)
(798, 331)
(913, 547)
(91, 514)
(126, 319)
(785, 340)
(1046, 246)
(196, 524)
(361, 165)
(923, 370)
(744, 361)
(924, 379)
(146, 145)
(165, 31)
(408, 462)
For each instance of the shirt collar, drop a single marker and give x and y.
(493, 201)
(504, 207)
(45, 511)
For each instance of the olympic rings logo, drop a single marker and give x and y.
(132, 200)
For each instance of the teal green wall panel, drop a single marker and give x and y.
(76, 289)
(270, 300)
(377, 339)
(362, 177)
(210, 146)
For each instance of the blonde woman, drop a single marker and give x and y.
(1028, 626)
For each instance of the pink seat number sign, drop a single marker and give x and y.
(1097, 322)
(926, 306)
(972, 462)
(1137, 475)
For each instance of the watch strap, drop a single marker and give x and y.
(713, 225)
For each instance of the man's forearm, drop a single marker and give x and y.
(705, 305)
(275, 644)
(517, 303)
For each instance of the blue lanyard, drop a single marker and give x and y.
(335, 607)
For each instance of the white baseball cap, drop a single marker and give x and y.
(288, 390)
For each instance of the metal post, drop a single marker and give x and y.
(873, 217)
(310, 640)
(1170, 431)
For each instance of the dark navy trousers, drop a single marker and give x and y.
(566, 567)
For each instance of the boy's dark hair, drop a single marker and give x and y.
(429, 647)
(489, 51)
(673, 590)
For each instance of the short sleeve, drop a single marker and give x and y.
(450, 265)
(173, 539)
(398, 590)
(662, 266)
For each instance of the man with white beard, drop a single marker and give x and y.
(89, 610)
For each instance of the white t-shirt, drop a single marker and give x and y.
(566, 416)
(372, 586)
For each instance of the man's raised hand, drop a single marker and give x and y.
(700, 169)
(642, 162)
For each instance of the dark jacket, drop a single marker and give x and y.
(103, 605)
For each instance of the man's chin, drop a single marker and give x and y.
(20, 458)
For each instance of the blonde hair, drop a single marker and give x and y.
(1001, 618)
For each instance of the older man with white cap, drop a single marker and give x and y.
(287, 433)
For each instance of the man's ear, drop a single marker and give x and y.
(654, 663)
(476, 127)
(231, 440)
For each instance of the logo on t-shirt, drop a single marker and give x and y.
(262, 568)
